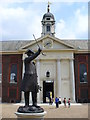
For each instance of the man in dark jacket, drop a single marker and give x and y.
(29, 82)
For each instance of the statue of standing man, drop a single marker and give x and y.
(29, 83)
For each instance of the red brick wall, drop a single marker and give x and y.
(0, 90)
(80, 88)
(11, 92)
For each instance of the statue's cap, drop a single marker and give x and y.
(29, 51)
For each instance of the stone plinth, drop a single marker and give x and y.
(32, 116)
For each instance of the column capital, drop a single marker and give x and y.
(72, 59)
(66, 58)
(58, 59)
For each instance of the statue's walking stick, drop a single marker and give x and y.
(38, 44)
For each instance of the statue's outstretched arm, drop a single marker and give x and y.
(30, 58)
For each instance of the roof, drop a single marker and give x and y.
(16, 45)
(78, 44)
(48, 14)
(12, 45)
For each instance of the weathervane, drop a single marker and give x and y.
(49, 3)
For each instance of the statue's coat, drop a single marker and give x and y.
(29, 82)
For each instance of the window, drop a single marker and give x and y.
(83, 73)
(48, 18)
(48, 28)
(47, 74)
(13, 73)
(0, 72)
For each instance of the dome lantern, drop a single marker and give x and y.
(48, 23)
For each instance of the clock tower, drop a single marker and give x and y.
(48, 23)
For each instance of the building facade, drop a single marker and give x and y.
(62, 70)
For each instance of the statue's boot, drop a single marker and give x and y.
(34, 98)
(26, 95)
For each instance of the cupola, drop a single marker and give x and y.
(48, 23)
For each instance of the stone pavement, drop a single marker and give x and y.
(75, 111)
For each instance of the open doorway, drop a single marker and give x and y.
(48, 91)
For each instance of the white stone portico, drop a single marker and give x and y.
(59, 62)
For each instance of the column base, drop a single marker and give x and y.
(73, 101)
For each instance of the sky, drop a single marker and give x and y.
(20, 19)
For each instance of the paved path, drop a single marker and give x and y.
(76, 111)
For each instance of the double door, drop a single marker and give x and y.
(48, 91)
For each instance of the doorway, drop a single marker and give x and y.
(48, 91)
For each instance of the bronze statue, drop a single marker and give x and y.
(29, 83)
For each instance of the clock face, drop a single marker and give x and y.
(47, 43)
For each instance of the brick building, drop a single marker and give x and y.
(62, 72)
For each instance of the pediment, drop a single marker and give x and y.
(48, 43)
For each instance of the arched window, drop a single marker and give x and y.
(48, 28)
(13, 73)
(47, 74)
(83, 73)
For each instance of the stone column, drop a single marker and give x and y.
(72, 79)
(22, 98)
(38, 78)
(58, 78)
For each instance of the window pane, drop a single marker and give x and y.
(83, 73)
(48, 28)
(13, 73)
